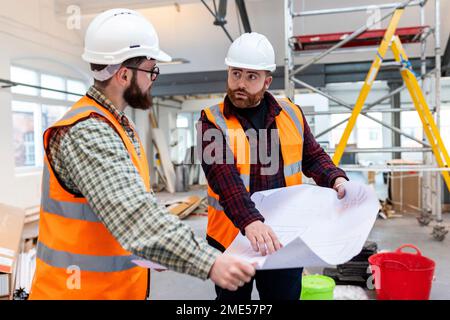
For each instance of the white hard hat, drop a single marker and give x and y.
(251, 51)
(120, 34)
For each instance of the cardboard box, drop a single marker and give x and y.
(404, 188)
(371, 177)
(11, 226)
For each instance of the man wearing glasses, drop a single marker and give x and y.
(98, 212)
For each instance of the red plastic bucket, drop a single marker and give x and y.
(402, 276)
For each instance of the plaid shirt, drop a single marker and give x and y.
(224, 179)
(91, 160)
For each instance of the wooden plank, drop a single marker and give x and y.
(166, 162)
(183, 207)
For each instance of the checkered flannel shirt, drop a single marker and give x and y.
(90, 159)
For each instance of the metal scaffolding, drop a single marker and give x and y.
(431, 184)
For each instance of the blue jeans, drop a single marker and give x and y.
(282, 284)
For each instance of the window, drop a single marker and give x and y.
(24, 119)
(30, 120)
(369, 132)
(184, 136)
(445, 126)
(51, 114)
(24, 76)
(53, 82)
(366, 134)
(337, 133)
(75, 86)
(29, 148)
(373, 135)
(411, 124)
(36, 78)
(34, 110)
(182, 120)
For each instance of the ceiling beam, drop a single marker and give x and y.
(244, 16)
(318, 75)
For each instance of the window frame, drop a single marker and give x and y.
(40, 102)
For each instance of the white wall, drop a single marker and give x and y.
(199, 104)
(32, 36)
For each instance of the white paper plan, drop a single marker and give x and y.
(314, 227)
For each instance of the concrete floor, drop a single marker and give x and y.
(389, 234)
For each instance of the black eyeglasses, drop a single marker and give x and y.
(152, 74)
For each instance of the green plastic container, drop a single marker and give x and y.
(317, 287)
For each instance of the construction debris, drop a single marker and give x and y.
(425, 217)
(387, 210)
(350, 293)
(183, 207)
(202, 209)
(356, 271)
(439, 232)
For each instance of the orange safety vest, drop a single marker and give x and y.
(77, 257)
(290, 129)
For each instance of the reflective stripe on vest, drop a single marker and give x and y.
(62, 259)
(213, 202)
(292, 168)
(71, 210)
(288, 108)
(220, 121)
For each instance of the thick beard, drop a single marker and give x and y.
(135, 98)
(251, 101)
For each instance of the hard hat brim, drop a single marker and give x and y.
(162, 56)
(117, 57)
(270, 67)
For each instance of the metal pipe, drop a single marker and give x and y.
(395, 119)
(423, 43)
(353, 9)
(354, 35)
(343, 103)
(382, 150)
(322, 113)
(244, 16)
(214, 15)
(221, 13)
(395, 168)
(289, 86)
(13, 84)
(307, 53)
(437, 37)
(331, 128)
(365, 109)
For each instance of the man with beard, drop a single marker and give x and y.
(253, 142)
(98, 213)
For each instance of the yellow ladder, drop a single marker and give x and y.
(429, 125)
